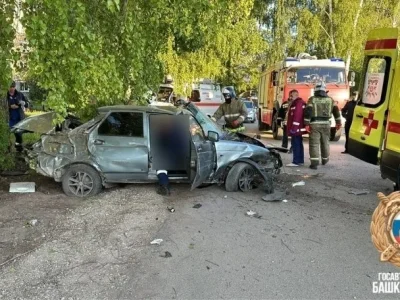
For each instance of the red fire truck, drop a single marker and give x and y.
(300, 73)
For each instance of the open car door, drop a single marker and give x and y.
(369, 124)
(205, 152)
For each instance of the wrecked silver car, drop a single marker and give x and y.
(117, 147)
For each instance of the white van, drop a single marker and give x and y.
(207, 95)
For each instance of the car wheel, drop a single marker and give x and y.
(240, 177)
(81, 181)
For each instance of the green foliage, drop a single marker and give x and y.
(7, 34)
(89, 53)
(324, 28)
(6, 158)
(6, 56)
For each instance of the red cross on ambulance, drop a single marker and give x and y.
(369, 123)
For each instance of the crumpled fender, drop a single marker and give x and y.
(254, 164)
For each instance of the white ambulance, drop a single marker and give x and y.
(207, 95)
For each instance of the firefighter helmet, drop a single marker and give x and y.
(320, 86)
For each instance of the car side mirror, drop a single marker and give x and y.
(213, 136)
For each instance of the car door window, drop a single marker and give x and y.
(196, 131)
(129, 124)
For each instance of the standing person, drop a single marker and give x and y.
(234, 112)
(282, 120)
(347, 113)
(16, 105)
(295, 128)
(317, 116)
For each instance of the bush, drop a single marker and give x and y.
(6, 158)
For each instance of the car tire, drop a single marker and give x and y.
(81, 181)
(236, 179)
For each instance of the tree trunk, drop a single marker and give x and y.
(331, 31)
(349, 52)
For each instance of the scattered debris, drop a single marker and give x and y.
(171, 209)
(359, 192)
(208, 268)
(191, 246)
(300, 183)
(212, 263)
(166, 254)
(32, 222)
(22, 187)
(225, 196)
(198, 205)
(284, 244)
(156, 242)
(284, 200)
(251, 213)
(277, 196)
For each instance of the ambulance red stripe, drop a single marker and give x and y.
(394, 127)
(381, 44)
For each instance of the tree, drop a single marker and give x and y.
(7, 33)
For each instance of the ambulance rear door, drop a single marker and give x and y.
(390, 161)
(368, 128)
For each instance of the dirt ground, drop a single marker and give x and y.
(72, 237)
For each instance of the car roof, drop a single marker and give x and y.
(149, 109)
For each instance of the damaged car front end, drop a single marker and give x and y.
(242, 162)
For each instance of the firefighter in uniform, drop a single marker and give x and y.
(317, 115)
(234, 112)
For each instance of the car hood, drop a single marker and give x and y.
(42, 123)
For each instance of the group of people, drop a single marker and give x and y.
(313, 118)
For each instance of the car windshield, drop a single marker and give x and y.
(205, 122)
(315, 74)
(248, 104)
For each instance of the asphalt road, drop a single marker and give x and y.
(317, 245)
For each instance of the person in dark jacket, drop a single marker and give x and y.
(17, 103)
(282, 120)
(347, 113)
(295, 128)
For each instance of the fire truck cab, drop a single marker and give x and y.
(375, 130)
(300, 73)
